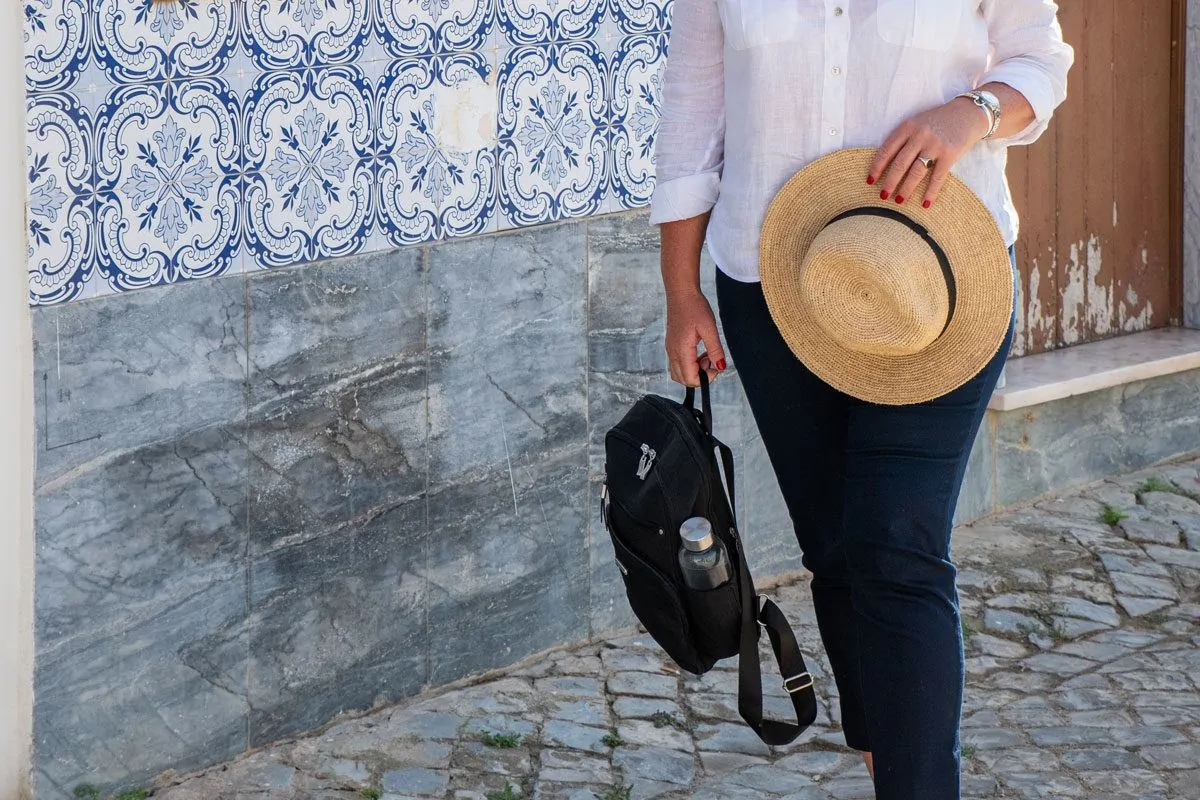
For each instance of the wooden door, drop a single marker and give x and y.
(1099, 193)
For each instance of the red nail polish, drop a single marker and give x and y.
(899, 199)
(721, 365)
(927, 204)
(884, 195)
(870, 180)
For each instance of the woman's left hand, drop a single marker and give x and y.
(943, 134)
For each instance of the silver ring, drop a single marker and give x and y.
(928, 162)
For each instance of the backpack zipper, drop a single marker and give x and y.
(672, 412)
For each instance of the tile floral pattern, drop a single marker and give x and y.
(180, 140)
(166, 195)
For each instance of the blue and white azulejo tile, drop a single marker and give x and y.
(284, 34)
(309, 137)
(423, 27)
(636, 92)
(61, 204)
(56, 37)
(167, 196)
(176, 140)
(436, 148)
(142, 41)
(552, 105)
(642, 16)
(545, 21)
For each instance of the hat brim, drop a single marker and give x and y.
(959, 222)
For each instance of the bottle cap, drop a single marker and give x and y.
(696, 534)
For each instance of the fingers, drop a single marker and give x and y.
(898, 180)
(712, 345)
(684, 364)
(890, 148)
(942, 135)
(673, 369)
(916, 174)
(712, 359)
(936, 181)
(693, 342)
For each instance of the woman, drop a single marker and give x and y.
(753, 91)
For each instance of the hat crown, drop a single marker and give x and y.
(875, 286)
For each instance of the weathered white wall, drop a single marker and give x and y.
(16, 428)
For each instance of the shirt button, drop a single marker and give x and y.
(833, 131)
(836, 70)
(837, 12)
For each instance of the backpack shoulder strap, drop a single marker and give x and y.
(763, 611)
(796, 680)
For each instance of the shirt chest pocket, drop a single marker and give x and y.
(923, 24)
(757, 23)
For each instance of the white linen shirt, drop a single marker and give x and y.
(755, 89)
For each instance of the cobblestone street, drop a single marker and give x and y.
(1083, 672)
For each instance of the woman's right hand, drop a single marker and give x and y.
(690, 321)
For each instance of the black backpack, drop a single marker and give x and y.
(661, 469)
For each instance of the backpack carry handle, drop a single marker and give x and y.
(689, 401)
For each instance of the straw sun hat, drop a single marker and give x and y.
(861, 293)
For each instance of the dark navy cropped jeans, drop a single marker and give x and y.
(871, 491)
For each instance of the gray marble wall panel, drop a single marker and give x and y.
(141, 535)
(336, 427)
(1067, 443)
(338, 623)
(508, 568)
(169, 692)
(335, 459)
(337, 441)
(315, 325)
(113, 376)
(763, 517)
(1191, 170)
(978, 494)
(507, 356)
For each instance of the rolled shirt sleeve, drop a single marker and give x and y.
(690, 144)
(1028, 54)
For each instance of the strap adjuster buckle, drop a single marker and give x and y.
(797, 683)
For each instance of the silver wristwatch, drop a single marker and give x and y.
(990, 105)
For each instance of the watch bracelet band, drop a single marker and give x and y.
(997, 112)
(990, 106)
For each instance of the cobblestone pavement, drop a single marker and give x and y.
(1083, 662)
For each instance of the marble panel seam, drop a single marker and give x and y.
(587, 420)
(426, 542)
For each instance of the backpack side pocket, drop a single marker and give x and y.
(716, 619)
(656, 603)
